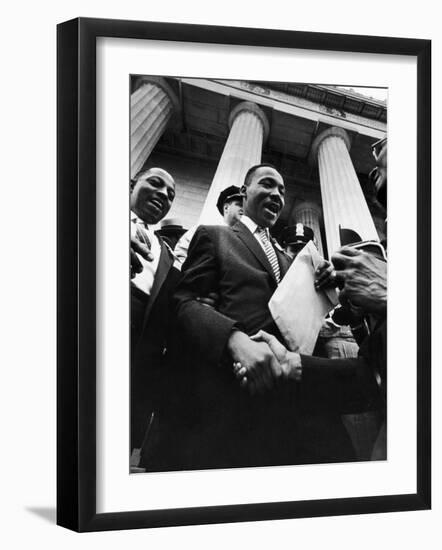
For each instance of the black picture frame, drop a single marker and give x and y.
(76, 273)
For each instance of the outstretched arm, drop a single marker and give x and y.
(205, 328)
(338, 385)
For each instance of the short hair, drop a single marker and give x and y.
(142, 172)
(134, 179)
(253, 169)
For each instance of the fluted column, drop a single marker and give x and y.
(343, 201)
(248, 130)
(151, 107)
(309, 214)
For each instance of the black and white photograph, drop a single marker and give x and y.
(225, 352)
(258, 273)
(220, 325)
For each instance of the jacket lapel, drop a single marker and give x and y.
(252, 244)
(284, 259)
(164, 264)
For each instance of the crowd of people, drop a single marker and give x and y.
(213, 384)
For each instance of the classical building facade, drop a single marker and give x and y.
(208, 133)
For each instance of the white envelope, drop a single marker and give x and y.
(297, 307)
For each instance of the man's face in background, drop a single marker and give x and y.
(293, 249)
(379, 174)
(233, 211)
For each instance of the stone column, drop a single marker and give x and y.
(151, 107)
(249, 129)
(309, 214)
(343, 201)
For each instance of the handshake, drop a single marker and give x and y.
(261, 362)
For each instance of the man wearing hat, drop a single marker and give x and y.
(295, 237)
(171, 231)
(218, 423)
(230, 206)
(153, 279)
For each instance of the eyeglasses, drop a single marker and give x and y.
(377, 147)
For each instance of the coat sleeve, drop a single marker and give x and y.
(341, 385)
(349, 385)
(205, 329)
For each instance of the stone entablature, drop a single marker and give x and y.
(318, 154)
(347, 107)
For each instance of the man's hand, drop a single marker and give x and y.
(255, 365)
(138, 247)
(289, 361)
(278, 350)
(326, 276)
(364, 278)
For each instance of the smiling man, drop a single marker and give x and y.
(242, 264)
(152, 283)
(151, 198)
(216, 423)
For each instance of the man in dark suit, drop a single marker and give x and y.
(152, 284)
(217, 423)
(361, 275)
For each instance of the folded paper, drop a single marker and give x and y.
(297, 308)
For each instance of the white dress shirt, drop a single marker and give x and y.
(144, 280)
(182, 246)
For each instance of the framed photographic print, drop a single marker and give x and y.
(222, 274)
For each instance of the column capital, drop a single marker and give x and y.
(154, 106)
(334, 131)
(161, 83)
(250, 107)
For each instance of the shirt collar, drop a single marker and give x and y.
(251, 225)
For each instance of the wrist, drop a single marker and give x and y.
(294, 366)
(235, 339)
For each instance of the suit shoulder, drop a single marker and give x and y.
(213, 230)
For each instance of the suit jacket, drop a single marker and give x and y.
(150, 325)
(232, 263)
(351, 385)
(216, 423)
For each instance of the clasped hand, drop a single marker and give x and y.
(361, 276)
(261, 362)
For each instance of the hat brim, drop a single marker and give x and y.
(231, 198)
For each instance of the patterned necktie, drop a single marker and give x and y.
(270, 252)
